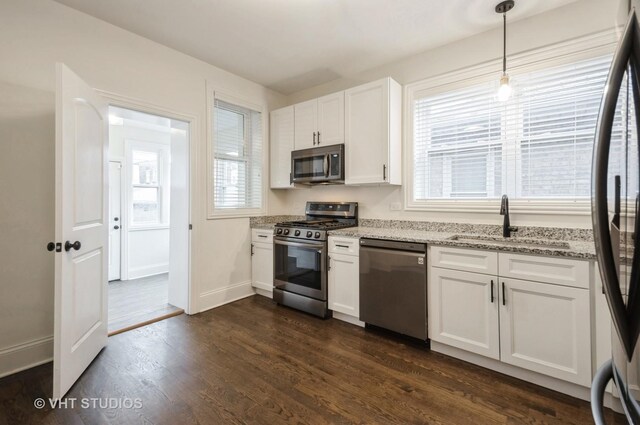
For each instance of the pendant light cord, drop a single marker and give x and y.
(504, 43)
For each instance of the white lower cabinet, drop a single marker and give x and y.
(463, 311)
(262, 260)
(546, 328)
(344, 276)
(540, 326)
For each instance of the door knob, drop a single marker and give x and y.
(116, 227)
(68, 245)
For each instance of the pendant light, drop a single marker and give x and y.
(504, 92)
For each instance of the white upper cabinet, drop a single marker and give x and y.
(330, 119)
(281, 143)
(373, 114)
(319, 122)
(306, 124)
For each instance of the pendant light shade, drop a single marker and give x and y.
(504, 92)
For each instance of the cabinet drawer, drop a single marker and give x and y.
(259, 235)
(560, 271)
(348, 246)
(471, 260)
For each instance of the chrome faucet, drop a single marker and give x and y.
(506, 225)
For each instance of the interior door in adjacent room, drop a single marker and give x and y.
(80, 320)
(115, 219)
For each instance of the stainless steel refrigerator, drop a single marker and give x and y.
(615, 185)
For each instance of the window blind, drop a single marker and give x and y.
(537, 145)
(237, 164)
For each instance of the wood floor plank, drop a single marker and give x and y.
(254, 362)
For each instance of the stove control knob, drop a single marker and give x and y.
(317, 235)
(309, 234)
(279, 231)
(286, 231)
(297, 233)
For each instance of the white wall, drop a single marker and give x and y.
(35, 35)
(27, 141)
(574, 20)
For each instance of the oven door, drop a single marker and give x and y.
(300, 267)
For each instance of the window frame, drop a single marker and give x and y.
(559, 54)
(214, 213)
(163, 186)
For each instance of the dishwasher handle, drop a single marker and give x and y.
(392, 245)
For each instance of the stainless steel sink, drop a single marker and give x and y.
(534, 243)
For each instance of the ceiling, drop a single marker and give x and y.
(290, 45)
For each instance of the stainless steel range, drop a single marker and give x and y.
(300, 255)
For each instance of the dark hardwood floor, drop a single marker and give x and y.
(254, 362)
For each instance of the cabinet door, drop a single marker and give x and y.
(262, 266)
(306, 124)
(344, 284)
(331, 119)
(281, 141)
(546, 328)
(463, 311)
(367, 133)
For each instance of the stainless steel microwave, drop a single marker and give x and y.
(323, 165)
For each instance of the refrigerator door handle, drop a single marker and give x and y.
(600, 381)
(600, 209)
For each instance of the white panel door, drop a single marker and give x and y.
(305, 124)
(115, 219)
(331, 119)
(262, 266)
(344, 284)
(547, 329)
(367, 133)
(463, 311)
(80, 320)
(282, 142)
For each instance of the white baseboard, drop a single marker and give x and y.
(265, 287)
(348, 319)
(574, 390)
(259, 291)
(152, 270)
(221, 296)
(25, 356)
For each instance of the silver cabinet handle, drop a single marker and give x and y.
(318, 137)
(252, 250)
(384, 172)
(326, 165)
(314, 138)
(492, 291)
(342, 246)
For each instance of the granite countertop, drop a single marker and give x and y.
(575, 249)
(556, 242)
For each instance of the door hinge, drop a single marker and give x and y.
(190, 226)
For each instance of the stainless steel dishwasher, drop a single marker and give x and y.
(393, 286)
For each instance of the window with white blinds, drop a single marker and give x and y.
(237, 158)
(537, 145)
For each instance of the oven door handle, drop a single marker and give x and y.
(298, 244)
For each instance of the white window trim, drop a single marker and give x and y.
(212, 212)
(164, 184)
(558, 54)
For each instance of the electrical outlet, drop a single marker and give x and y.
(395, 206)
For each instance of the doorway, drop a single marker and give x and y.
(149, 216)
